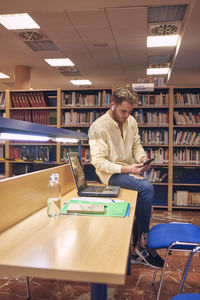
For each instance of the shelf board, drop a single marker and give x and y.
(153, 106)
(154, 145)
(185, 184)
(34, 107)
(186, 106)
(85, 107)
(185, 207)
(76, 125)
(185, 146)
(186, 125)
(185, 165)
(153, 125)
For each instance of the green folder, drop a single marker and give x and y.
(116, 209)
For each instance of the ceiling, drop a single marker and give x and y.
(106, 40)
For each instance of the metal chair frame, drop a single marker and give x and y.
(174, 246)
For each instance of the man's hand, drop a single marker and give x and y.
(134, 169)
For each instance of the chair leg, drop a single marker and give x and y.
(187, 266)
(163, 273)
(27, 289)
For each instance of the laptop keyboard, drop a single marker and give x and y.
(94, 189)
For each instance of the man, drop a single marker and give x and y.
(118, 156)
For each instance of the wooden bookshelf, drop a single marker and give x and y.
(161, 137)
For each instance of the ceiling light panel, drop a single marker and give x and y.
(3, 76)
(157, 71)
(18, 21)
(81, 82)
(162, 41)
(59, 62)
(166, 13)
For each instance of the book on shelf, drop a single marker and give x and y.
(186, 198)
(2, 99)
(28, 99)
(153, 99)
(100, 98)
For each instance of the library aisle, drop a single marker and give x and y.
(138, 286)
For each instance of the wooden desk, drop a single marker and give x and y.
(78, 248)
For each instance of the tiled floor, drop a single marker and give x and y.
(138, 285)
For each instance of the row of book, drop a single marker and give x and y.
(186, 198)
(186, 137)
(186, 156)
(186, 118)
(151, 118)
(154, 137)
(156, 175)
(28, 99)
(44, 116)
(36, 153)
(2, 151)
(2, 99)
(74, 117)
(161, 155)
(102, 98)
(186, 99)
(85, 154)
(157, 99)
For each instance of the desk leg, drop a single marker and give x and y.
(128, 272)
(98, 291)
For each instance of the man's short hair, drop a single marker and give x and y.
(124, 94)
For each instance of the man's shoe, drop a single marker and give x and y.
(150, 256)
(137, 260)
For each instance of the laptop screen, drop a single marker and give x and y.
(77, 170)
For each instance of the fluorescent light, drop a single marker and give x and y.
(81, 82)
(18, 21)
(23, 137)
(2, 75)
(157, 71)
(162, 40)
(59, 62)
(66, 140)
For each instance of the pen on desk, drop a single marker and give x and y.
(112, 200)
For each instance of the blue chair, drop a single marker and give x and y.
(173, 237)
(187, 296)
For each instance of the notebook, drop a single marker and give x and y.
(85, 189)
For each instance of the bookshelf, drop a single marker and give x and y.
(49, 107)
(153, 114)
(186, 148)
(175, 143)
(2, 144)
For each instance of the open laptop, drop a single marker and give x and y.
(83, 188)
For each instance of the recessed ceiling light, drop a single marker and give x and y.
(81, 82)
(162, 40)
(157, 71)
(59, 62)
(2, 76)
(18, 21)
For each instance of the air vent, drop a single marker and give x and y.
(164, 29)
(69, 71)
(159, 59)
(41, 45)
(31, 35)
(170, 13)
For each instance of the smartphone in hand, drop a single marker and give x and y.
(148, 161)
